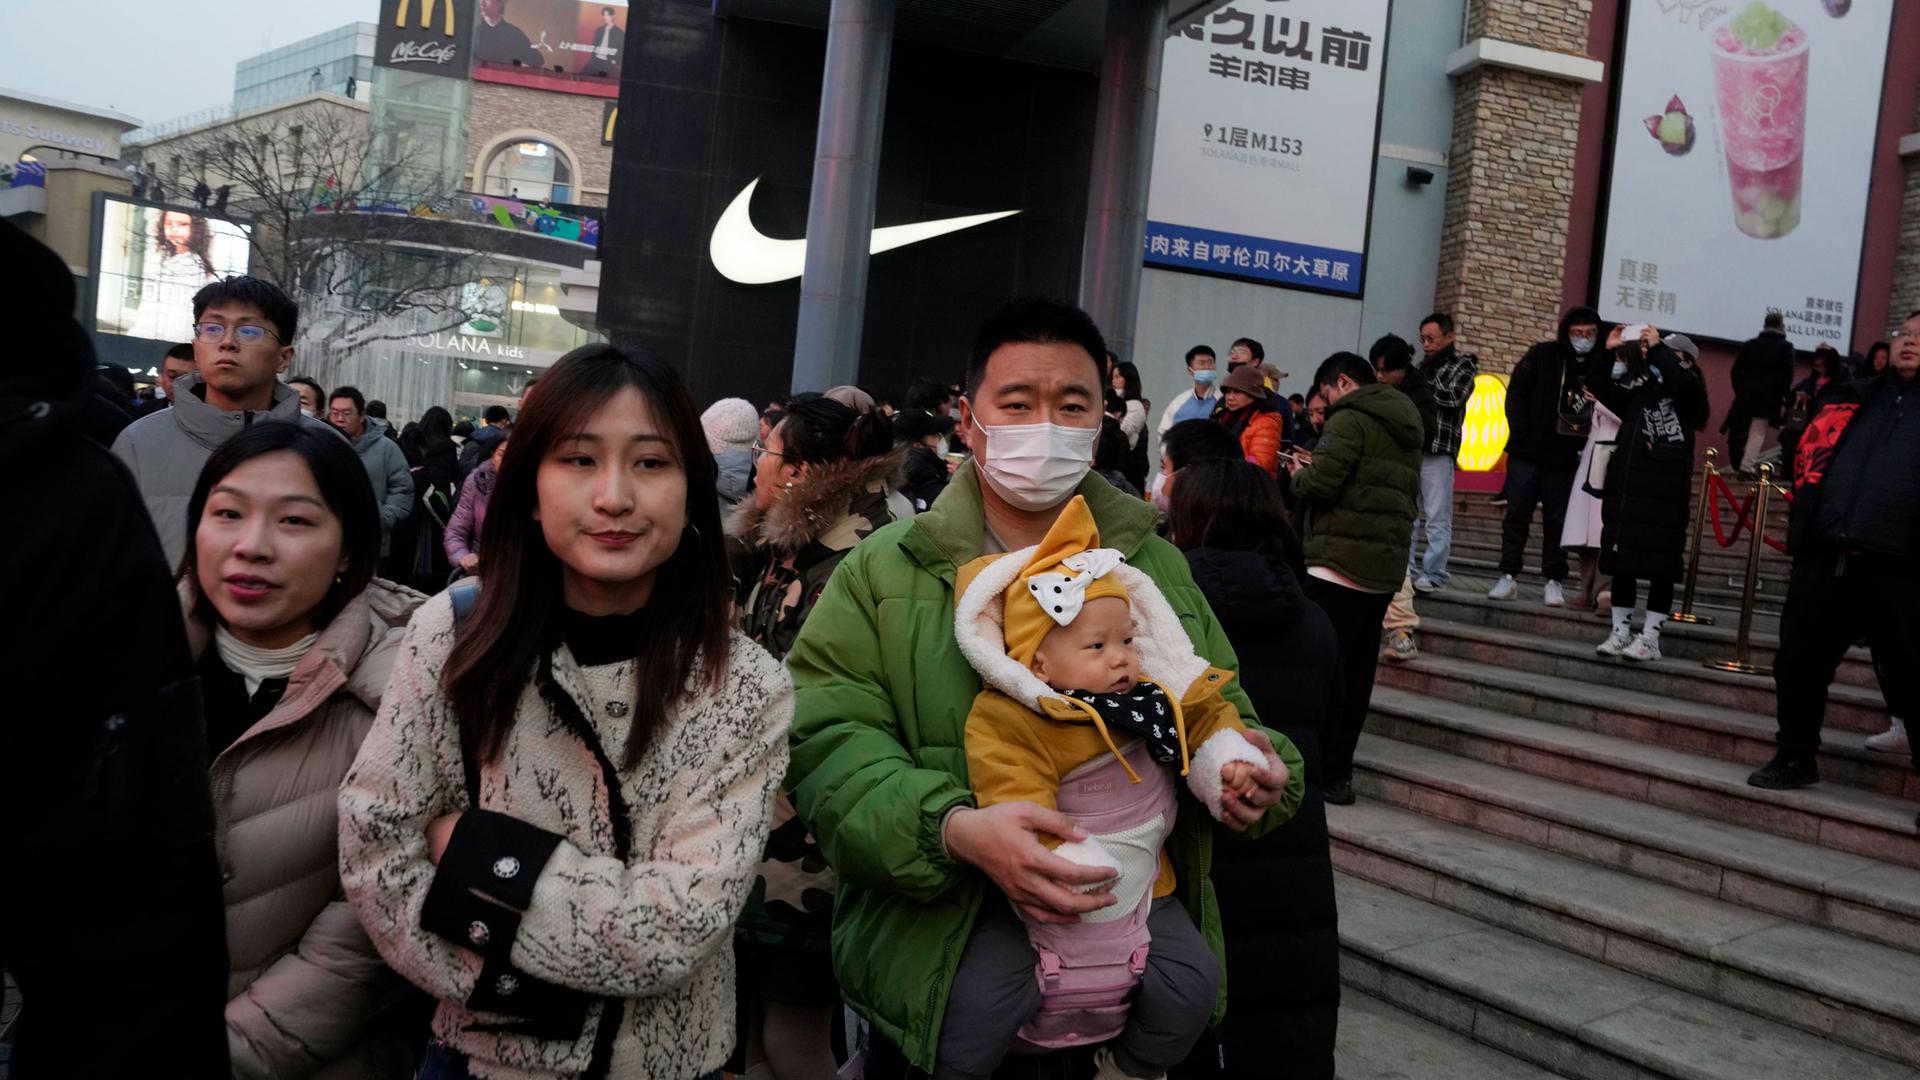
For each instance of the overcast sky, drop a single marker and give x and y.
(153, 59)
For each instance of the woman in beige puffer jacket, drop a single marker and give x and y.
(293, 639)
(306, 983)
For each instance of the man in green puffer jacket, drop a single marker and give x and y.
(879, 768)
(1359, 492)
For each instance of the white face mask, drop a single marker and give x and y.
(1036, 466)
(1158, 494)
(1583, 345)
(1619, 368)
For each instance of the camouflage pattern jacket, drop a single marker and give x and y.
(793, 548)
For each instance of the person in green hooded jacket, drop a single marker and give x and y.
(879, 770)
(1359, 492)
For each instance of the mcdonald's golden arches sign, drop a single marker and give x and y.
(431, 36)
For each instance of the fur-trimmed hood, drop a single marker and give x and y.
(1166, 653)
(836, 503)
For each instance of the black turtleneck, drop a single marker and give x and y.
(602, 639)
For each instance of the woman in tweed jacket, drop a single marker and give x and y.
(557, 815)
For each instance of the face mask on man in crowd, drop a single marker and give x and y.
(1583, 338)
(1036, 417)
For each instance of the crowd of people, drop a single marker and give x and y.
(616, 738)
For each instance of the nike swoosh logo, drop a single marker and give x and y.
(748, 256)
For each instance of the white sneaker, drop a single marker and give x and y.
(1426, 585)
(1891, 741)
(1504, 589)
(1105, 1068)
(1615, 644)
(1555, 597)
(1642, 648)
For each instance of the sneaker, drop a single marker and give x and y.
(1784, 773)
(1556, 597)
(1399, 646)
(1426, 585)
(1891, 741)
(1615, 644)
(1641, 649)
(1504, 589)
(1339, 793)
(1499, 499)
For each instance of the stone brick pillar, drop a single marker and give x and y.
(1905, 297)
(1516, 124)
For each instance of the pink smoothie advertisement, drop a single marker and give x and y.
(1741, 160)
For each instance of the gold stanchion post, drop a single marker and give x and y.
(1685, 614)
(1742, 661)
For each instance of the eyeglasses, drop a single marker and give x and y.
(243, 333)
(759, 450)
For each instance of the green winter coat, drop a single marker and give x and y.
(1359, 497)
(882, 694)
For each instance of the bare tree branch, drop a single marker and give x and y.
(359, 236)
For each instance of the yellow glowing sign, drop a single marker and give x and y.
(1483, 437)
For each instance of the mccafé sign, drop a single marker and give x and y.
(425, 35)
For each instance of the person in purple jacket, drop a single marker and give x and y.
(463, 531)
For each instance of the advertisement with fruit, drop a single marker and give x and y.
(1742, 152)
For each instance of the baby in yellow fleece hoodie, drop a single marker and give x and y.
(1092, 685)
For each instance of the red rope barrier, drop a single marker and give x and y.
(1743, 514)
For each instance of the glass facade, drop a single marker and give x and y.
(335, 62)
(534, 170)
(420, 132)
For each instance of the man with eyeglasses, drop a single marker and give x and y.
(243, 331)
(1854, 533)
(385, 462)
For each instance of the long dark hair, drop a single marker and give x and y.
(436, 428)
(1233, 506)
(342, 481)
(513, 623)
(199, 239)
(1130, 379)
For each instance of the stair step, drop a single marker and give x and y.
(1684, 641)
(1852, 991)
(1849, 708)
(1713, 557)
(1379, 1042)
(1674, 711)
(1846, 818)
(1575, 1016)
(1487, 565)
(1781, 876)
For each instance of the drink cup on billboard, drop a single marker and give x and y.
(1760, 83)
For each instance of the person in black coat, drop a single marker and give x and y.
(419, 549)
(1546, 421)
(1276, 893)
(1655, 389)
(1762, 386)
(926, 473)
(111, 918)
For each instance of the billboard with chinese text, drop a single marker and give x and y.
(152, 259)
(1742, 153)
(1263, 158)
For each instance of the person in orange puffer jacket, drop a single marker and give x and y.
(1249, 418)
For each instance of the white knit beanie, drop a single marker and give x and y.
(731, 424)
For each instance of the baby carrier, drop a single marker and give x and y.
(1088, 969)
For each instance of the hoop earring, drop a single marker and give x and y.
(696, 533)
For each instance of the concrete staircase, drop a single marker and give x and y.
(1557, 858)
(1476, 551)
